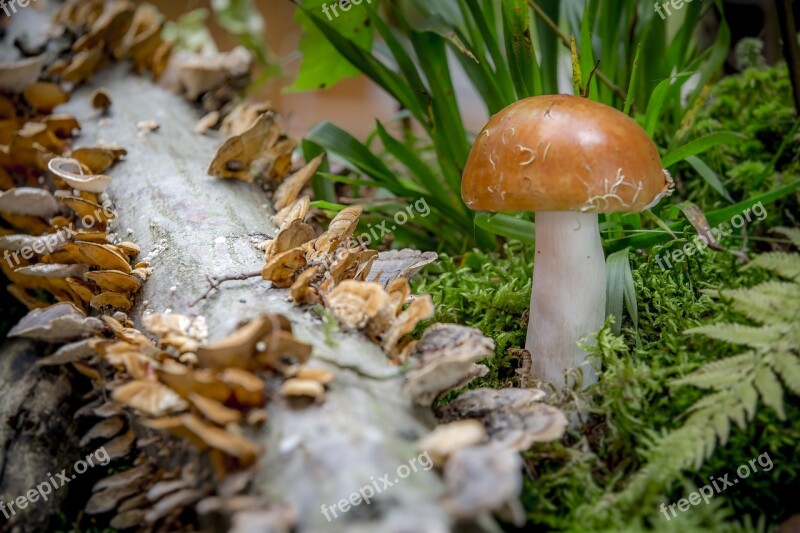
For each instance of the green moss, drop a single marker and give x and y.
(633, 400)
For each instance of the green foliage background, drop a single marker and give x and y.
(639, 447)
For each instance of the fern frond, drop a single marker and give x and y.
(783, 264)
(788, 368)
(719, 374)
(754, 337)
(792, 233)
(736, 383)
(768, 303)
(770, 390)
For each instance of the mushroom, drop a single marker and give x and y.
(568, 159)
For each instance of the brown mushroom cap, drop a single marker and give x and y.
(563, 153)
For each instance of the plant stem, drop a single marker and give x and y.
(791, 50)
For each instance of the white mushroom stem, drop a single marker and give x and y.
(568, 299)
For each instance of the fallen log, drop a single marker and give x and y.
(197, 227)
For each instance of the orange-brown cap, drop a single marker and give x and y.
(563, 153)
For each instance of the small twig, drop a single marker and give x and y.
(214, 283)
(553, 26)
(589, 81)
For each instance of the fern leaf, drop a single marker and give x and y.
(720, 374)
(754, 337)
(783, 264)
(749, 398)
(722, 427)
(770, 390)
(772, 302)
(792, 233)
(788, 367)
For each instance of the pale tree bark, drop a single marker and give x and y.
(193, 226)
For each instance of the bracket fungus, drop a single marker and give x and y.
(568, 159)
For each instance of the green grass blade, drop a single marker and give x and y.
(506, 226)
(698, 146)
(586, 52)
(656, 102)
(632, 84)
(709, 176)
(323, 189)
(620, 289)
(492, 40)
(338, 141)
(519, 48)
